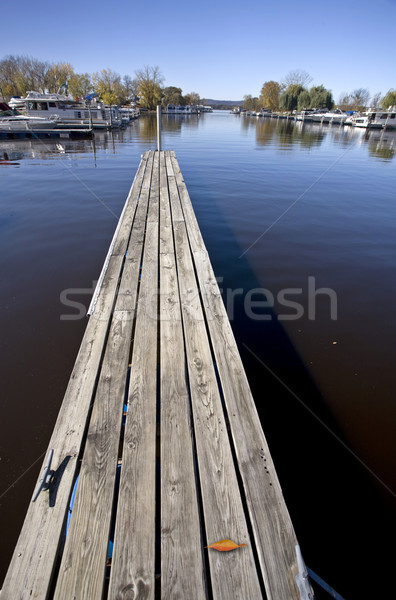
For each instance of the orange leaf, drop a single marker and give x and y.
(225, 545)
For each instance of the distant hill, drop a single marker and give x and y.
(223, 103)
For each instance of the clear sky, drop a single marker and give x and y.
(220, 49)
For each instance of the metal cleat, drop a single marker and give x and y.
(45, 480)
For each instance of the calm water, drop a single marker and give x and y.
(299, 220)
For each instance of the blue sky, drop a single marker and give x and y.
(221, 50)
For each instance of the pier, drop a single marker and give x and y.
(42, 134)
(158, 440)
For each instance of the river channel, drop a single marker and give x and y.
(300, 224)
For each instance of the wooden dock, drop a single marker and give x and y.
(160, 427)
(43, 134)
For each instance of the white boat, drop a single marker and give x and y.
(375, 119)
(11, 121)
(128, 113)
(17, 102)
(335, 116)
(264, 112)
(204, 109)
(71, 112)
(173, 109)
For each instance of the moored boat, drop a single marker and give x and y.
(12, 121)
(128, 113)
(264, 112)
(17, 102)
(335, 116)
(71, 112)
(172, 109)
(204, 109)
(375, 119)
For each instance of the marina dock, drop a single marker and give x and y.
(42, 134)
(158, 450)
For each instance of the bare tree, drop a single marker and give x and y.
(297, 77)
(360, 99)
(130, 86)
(9, 77)
(344, 101)
(18, 74)
(376, 100)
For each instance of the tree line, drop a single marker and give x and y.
(293, 93)
(19, 74)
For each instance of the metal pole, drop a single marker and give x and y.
(159, 127)
(90, 115)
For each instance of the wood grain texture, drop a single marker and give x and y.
(182, 570)
(133, 565)
(275, 538)
(159, 316)
(121, 235)
(31, 568)
(121, 242)
(82, 569)
(233, 574)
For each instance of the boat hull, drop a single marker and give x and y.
(15, 124)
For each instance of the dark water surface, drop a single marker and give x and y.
(307, 214)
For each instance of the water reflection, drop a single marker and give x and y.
(172, 124)
(281, 133)
(342, 232)
(381, 144)
(18, 149)
(286, 134)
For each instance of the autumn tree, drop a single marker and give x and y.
(269, 96)
(108, 85)
(57, 75)
(192, 98)
(172, 95)
(389, 99)
(35, 73)
(251, 103)
(149, 82)
(80, 85)
(9, 77)
(18, 74)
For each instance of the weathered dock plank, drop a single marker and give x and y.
(234, 573)
(182, 569)
(133, 565)
(275, 538)
(82, 572)
(160, 426)
(36, 552)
